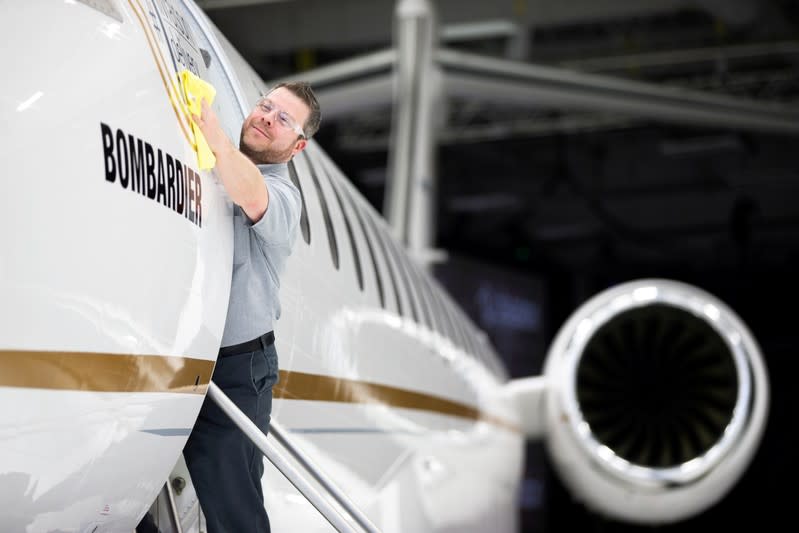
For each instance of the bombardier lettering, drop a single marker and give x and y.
(153, 173)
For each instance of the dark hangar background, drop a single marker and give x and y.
(539, 210)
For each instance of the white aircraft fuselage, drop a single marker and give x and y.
(114, 284)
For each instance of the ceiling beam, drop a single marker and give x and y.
(509, 82)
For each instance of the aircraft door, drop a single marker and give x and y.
(229, 102)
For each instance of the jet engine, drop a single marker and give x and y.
(653, 401)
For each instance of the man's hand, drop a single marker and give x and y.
(241, 178)
(208, 123)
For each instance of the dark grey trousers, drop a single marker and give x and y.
(225, 466)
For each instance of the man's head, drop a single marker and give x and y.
(280, 124)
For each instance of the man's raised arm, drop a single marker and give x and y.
(241, 178)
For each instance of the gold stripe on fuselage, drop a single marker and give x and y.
(104, 372)
(313, 387)
(107, 372)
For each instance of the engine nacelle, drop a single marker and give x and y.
(655, 400)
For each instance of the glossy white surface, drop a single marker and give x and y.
(91, 266)
(409, 469)
(87, 261)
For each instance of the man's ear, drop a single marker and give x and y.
(299, 146)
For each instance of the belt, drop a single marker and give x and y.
(267, 339)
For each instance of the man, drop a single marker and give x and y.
(225, 466)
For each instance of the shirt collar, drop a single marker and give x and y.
(281, 169)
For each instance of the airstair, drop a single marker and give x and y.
(177, 510)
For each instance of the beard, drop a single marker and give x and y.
(265, 155)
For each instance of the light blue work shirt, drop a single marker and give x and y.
(259, 255)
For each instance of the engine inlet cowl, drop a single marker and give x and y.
(657, 400)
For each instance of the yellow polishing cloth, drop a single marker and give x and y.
(194, 90)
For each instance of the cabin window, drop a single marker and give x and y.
(424, 295)
(391, 274)
(429, 297)
(395, 255)
(447, 326)
(457, 336)
(468, 328)
(369, 245)
(356, 257)
(305, 227)
(331, 234)
(415, 288)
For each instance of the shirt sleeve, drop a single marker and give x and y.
(278, 226)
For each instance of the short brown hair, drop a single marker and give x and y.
(303, 91)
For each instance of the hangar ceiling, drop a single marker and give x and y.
(553, 187)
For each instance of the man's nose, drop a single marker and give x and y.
(265, 121)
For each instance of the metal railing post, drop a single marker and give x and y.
(316, 499)
(276, 430)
